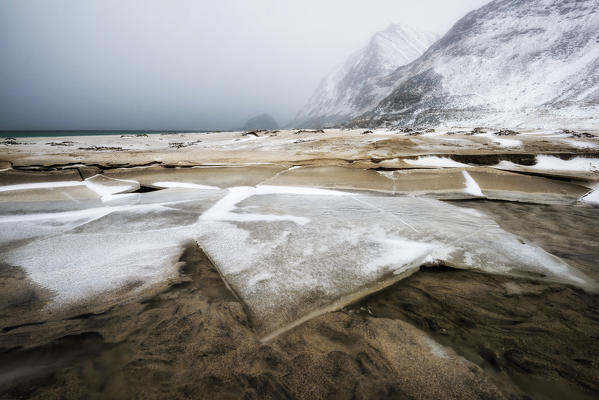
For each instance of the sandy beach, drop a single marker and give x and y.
(425, 264)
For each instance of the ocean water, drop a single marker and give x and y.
(15, 134)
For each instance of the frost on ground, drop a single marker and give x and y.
(435, 162)
(288, 252)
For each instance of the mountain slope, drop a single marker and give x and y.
(510, 63)
(350, 90)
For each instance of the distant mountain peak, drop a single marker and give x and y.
(349, 90)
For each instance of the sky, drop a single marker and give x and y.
(183, 64)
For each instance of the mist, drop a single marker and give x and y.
(183, 65)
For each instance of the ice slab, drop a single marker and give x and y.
(290, 256)
(333, 177)
(447, 183)
(108, 188)
(166, 184)
(93, 187)
(502, 185)
(81, 253)
(14, 177)
(221, 176)
(289, 253)
(40, 185)
(75, 191)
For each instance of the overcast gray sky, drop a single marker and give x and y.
(183, 64)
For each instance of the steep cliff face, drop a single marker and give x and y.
(510, 63)
(352, 89)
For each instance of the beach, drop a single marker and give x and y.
(414, 263)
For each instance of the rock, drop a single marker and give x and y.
(262, 121)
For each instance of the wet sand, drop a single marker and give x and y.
(539, 337)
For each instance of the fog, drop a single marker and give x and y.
(148, 64)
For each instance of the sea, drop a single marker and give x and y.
(23, 133)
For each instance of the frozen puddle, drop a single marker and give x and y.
(289, 253)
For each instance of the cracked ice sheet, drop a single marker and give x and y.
(81, 253)
(290, 257)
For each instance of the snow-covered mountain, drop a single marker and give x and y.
(509, 63)
(349, 90)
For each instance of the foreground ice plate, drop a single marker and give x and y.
(292, 253)
(289, 253)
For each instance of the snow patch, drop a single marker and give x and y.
(580, 144)
(591, 197)
(435, 162)
(575, 164)
(471, 185)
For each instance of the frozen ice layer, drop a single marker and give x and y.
(290, 256)
(187, 185)
(289, 253)
(333, 177)
(132, 242)
(13, 177)
(503, 185)
(108, 188)
(76, 266)
(221, 176)
(443, 183)
(40, 185)
(96, 186)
